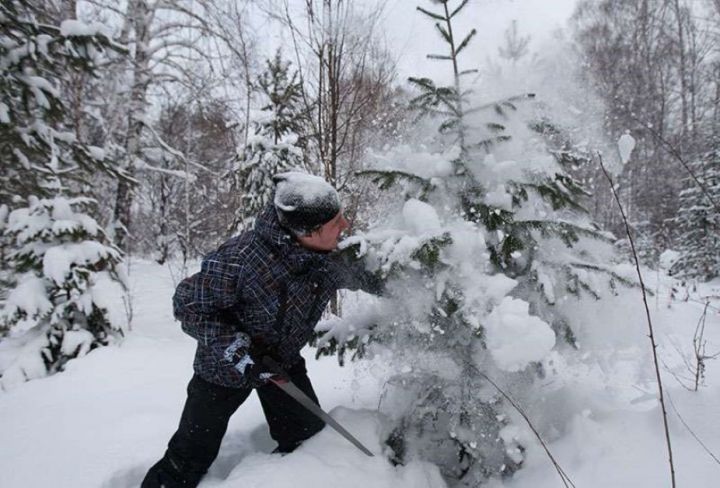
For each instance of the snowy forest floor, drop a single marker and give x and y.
(107, 419)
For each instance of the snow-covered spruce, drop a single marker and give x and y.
(698, 221)
(35, 142)
(482, 253)
(275, 143)
(67, 281)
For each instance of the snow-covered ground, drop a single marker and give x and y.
(104, 421)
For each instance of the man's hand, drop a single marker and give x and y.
(247, 358)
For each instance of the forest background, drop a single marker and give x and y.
(176, 109)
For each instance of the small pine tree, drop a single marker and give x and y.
(516, 46)
(698, 222)
(67, 278)
(480, 258)
(276, 144)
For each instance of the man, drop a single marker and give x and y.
(260, 294)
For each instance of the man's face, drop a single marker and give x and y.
(326, 237)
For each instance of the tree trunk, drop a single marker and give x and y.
(141, 18)
(682, 67)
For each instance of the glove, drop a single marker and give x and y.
(246, 358)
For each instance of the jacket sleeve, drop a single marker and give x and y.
(352, 274)
(207, 303)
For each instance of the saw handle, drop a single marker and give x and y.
(274, 367)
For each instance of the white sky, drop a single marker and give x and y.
(413, 35)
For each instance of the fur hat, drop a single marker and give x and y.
(304, 202)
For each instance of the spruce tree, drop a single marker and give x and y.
(67, 282)
(37, 144)
(60, 277)
(698, 222)
(276, 144)
(478, 262)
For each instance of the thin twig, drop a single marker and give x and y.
(705, 303)
(707, 450)
(699, 348)
(567, 482)
(681, 381)
(651, 331)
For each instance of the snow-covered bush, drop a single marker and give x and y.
(68, 286)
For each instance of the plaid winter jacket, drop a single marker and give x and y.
(262, 283)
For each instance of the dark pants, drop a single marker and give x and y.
(204, 420)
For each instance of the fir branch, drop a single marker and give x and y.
(433, 96)
(425, 83)
(443, 32)
(563, 230)
(449, 125)
(571, 185)
(459, 8)
(493, 218)
(465, 41)
(544, 127)
(588, 289)
(567, 332)
(488, 143)
(495, 127)
(439, 57)
(498, 104)
(387, 178)
(607, 271)
(596, 268)
(428, 254)
(550, 190)
(431, 14)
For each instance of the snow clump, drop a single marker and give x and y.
(514, 337)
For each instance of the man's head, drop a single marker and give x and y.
(309, 207)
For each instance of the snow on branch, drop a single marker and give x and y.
(167, 147)
(141, 164)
